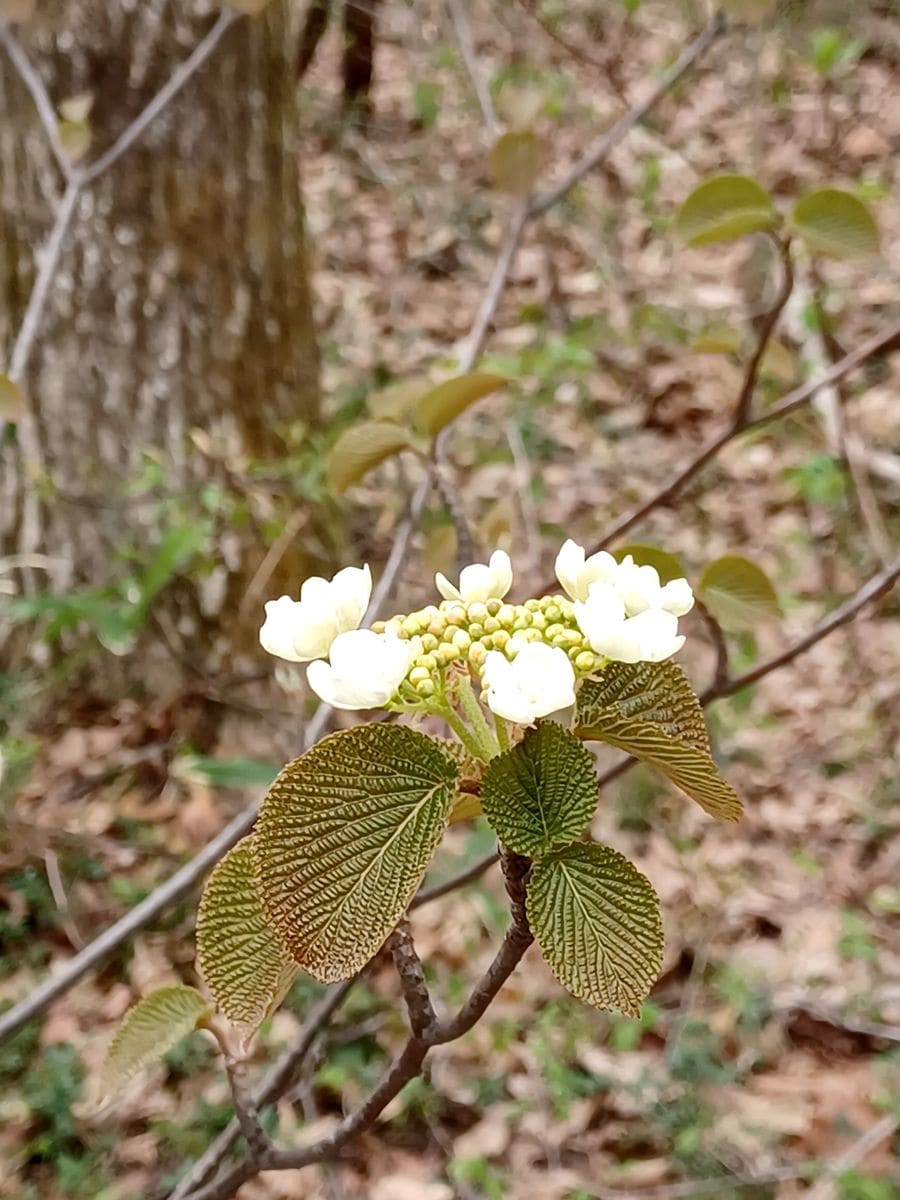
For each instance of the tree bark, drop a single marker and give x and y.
(178, 344)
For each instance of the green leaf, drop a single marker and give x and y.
(514, 162)
(836, 224)
(150, 1029)
(723, 209)
(542, 793)
(444, 403)
(650, 711)
(227, 772)
(242, 960)
(12, 402)
(343, 839)
(361, 448)
(666, 565)
(597, 922)
(655, 692)
(738, 593)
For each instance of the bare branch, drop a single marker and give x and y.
(608, 141)
(163, 97)
(274, 1084)
(767, 328)
(416, 996)
(456, 882)
(470, 59)
(879, 585)
(788, 404)
(42, 102)
(854, 1155)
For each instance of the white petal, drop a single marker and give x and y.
(676, 597)
(350, 592)
(277, 632)
(479, 581)
(475, 582)
(656, 632)
(569, 566)
(446, 588)
(603, 611)
(638, 586)
(501, 574)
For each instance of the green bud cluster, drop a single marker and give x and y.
(457, 632)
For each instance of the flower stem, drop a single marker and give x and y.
(502, 733)
(462, 731)
(474, 714)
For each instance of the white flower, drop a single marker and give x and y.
(479, 581)
(677, 598)
(300, 630)
(364, 669)
(576, 573)
(649, 636)
(539, 681)
(638, 586)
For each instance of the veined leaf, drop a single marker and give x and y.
(836, 224)
(738, 593)
(445, 402)
(343, 840)
(396, 401)
(361, 448)
(514, 162)
(542, 793)
(655, 692)
(150, 1029)
(666, 565)
(723, 209)
(242, 960)
(650, 711)
(597, 922)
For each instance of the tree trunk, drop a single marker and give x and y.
(177, 345)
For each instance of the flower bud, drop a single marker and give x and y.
(493, 606)
(378, 626)
(552, 612)
(462, 639)
(532, 605)
(428, 661)
(491, 625)
(418, 675)
(585, 661)
(477, 655)
(538, 621)
(476, 631)
(554, 631)
(499, 639)
(506, 615)
(429, 642)
(477, 611)
(425, 688)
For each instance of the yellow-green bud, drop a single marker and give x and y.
(446, 652)
(559, 641)
(425, 688)
(553, 631)
(455, 616)
(506, 615)
(418, 675)
(461, 639)
(532, 605)
(491, 625)
(521, 622)
(493, 607)
(584, 661)
(552, 612)
(428, 661)
(538, 621)
(378, 626)
(393, 626)
(429, 642)
(573, 637)
(410, 625)
(477, 655)
(499, 639)
(477, 611)
(431, 611)
(531, 635)
(476, 631)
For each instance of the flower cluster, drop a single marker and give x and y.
(527, 658)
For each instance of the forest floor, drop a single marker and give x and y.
(766, 1063)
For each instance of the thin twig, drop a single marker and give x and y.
(790, 403)
(601, 148)
(467, 50)
(406, 1066)
(879, 585)
(163, 97)
(40, 97)
(854, 1155)
(417, 998)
